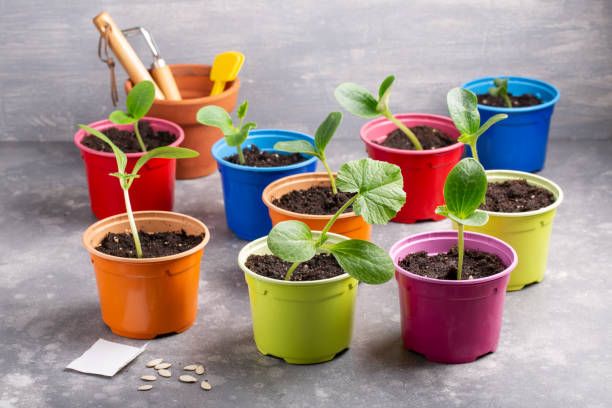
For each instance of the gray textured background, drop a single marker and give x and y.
(298, 51)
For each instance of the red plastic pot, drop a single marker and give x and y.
(153, 190)
(424, 171)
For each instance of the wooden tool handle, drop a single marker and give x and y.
(164, 78)
(124, 51)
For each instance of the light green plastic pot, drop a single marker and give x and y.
(527, 232)
(300, 322)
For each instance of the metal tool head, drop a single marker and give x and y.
(158, 60)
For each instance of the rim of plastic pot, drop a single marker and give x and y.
(468, 235)
(539, 181)
(260, 243)
(105, 124)
(254, 135)
(378, 121)
(516, 79)
(119, 219)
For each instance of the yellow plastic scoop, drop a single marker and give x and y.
(225, 68)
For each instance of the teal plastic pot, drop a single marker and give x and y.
(300, 322)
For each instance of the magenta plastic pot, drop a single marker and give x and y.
(451, 321)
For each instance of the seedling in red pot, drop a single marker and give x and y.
(359, 101)
(323, 136)
(218, 117)
(139, 101)
(379, 196)
(500, 90)
(464, 190)
(127, 178)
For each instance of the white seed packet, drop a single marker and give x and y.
(105, 358)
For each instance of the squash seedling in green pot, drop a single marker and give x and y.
(359, 101)
(464, 190)
(127, 178)
(379, 195)
(500, 90)
(463, 109)
(218, 117)
(139, 101)
(323, 136)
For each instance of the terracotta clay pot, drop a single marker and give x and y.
(194, 84)
(143, 298)
(347, 224)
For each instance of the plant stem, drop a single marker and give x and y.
(140, 142)
(474, 152)
(507, 101)
(404, 129)
(128, 209)
(291, 269)
(240, 155)
(332, 179)
(460, 251)
(333, 219)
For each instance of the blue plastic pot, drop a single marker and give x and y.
(246, 214)
(519, 142)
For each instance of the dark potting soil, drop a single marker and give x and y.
(476, 264)
(521, 101)
(514, 196)
(316, 200)
(322, 266)
(126, 139)
(153, 245)
(430, 138)
(254, 157)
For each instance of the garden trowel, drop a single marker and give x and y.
(225, 69)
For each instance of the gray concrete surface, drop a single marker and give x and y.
(555, 342)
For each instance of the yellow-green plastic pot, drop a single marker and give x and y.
(300, 322)
(527, 232)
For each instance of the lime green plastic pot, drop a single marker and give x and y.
(300, 322)
(527, 232)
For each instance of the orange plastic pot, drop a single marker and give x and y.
(194, 85)
(347, 224)
(143, 298)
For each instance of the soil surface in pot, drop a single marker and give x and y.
(476, 264)
(153, 245)
(254, 157)
(430, 138)
(514, 196)
(520, 101)
(316, 200)
(322, 266)
(126, 139)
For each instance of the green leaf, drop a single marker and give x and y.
(383, 94)
(216, 116)
(380, 188)
(363, 260)
(297, 146)
(119, 155)
(463, 109)
(121, 118)
(357, 100)
(476, 219)
(238, 138)
(242, 110)
(465, 188)
(326, 130)
(140, 99)
(492, 120)
(292, 241)
(164, 152)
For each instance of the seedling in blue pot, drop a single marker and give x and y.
(379, 195)
(139, 101)
(464, 190)
(127, 178)
(359, 101)
(323, 136)
(501, 90)
(463, 109)
(218, 117)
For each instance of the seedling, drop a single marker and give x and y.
(379, 196)
(323, 136)
(127, 178)
(500, 90)
(138, 103)
(359, 101)
(464, 189)
(463, 109)
(218, 117)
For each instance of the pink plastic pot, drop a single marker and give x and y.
(153, 190)
(451, 321)
(424, 171)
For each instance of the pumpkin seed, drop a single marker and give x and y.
(164, 373)
(200, 370)
(206, 385)
(187, 379)
(155, 362)
(145, 387)
(163, 366)
(190, 367)
(148, 378)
